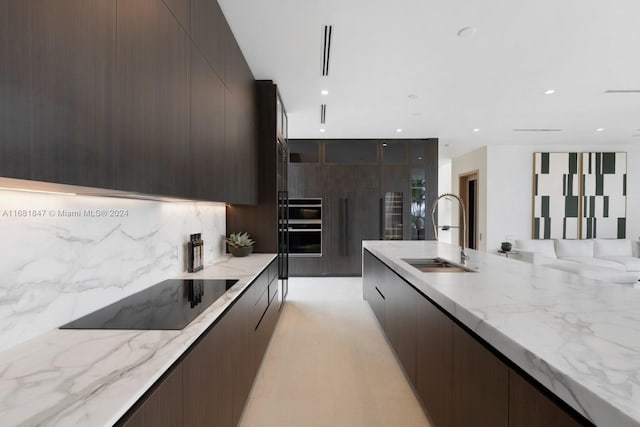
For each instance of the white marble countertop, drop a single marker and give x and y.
(92, 377)
(578, 337)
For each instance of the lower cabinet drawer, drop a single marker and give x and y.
(264, 331)
(260, 307)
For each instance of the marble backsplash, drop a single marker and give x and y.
(63, 256)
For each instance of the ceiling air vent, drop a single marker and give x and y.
(622, 91)
(326, 48)
(323, 113)
(537, 130)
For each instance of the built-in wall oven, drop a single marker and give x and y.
(305, 227)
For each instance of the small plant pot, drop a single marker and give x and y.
(240, 252)
(506, 246)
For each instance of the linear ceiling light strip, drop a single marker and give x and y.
(537, 130)
(622, 91)
(326, 49)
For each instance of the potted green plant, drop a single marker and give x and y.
(505, 246)
(240, 244)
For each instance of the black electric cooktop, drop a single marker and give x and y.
(171, 304)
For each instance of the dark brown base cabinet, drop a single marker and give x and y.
(434, 362)
(459, 379)
(210, 384)
(163, 406)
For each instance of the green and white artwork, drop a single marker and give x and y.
(604, 197)
(579, 195)
(556, 196)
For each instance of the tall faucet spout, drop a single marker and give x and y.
(463, 255)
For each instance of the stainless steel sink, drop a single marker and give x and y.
(437, 265)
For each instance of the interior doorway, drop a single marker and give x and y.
(469, 195)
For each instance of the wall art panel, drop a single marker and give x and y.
(604, 197)
(556, 196)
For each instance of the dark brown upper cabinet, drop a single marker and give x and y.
(240, 155)
(57, 75)
(209, 30)
(127, 95)
(152, 148)
(206, 158)
(181, 9)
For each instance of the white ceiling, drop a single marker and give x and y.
(385, 50)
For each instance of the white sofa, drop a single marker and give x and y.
(611, 260)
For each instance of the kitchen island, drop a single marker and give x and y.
(577, 338)
(94, 377)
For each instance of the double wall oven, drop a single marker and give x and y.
(305, 227)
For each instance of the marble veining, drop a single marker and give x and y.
(91, 378)
(578, 337)
(60, 261)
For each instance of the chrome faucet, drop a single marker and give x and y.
(463, 256)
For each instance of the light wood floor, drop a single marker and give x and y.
(328, 364)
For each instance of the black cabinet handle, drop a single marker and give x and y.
(380, 293)
(344, 227)
(381, 223)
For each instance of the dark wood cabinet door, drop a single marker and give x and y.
(210, 31)
(181, 9)
(406, 339)
(434, 362)
(528, 407)
(368, 275)
(240, 339)
(207, 381)
(57, 76)
(265, 329)
(400, 320)
(391, 320)
(351, 211)
(480, 384)
(373, 289)
(153, 50)
(206, 160)
(163, 407)
(240, 171)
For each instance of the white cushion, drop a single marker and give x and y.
(543, 246)
(597, 273)
(612, 247)
(595, 262)
(630, 263)
(574, 248)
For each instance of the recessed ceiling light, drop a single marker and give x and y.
(419, 157)
(476, 130)
(324, 92)
(384, 144)
(398, 130)
(466, 32)
(322, 130)
(549, 92)
(599, 129)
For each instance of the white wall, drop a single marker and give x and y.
(56, 268)
(475, 161)
(509, 188)
(444, 207)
